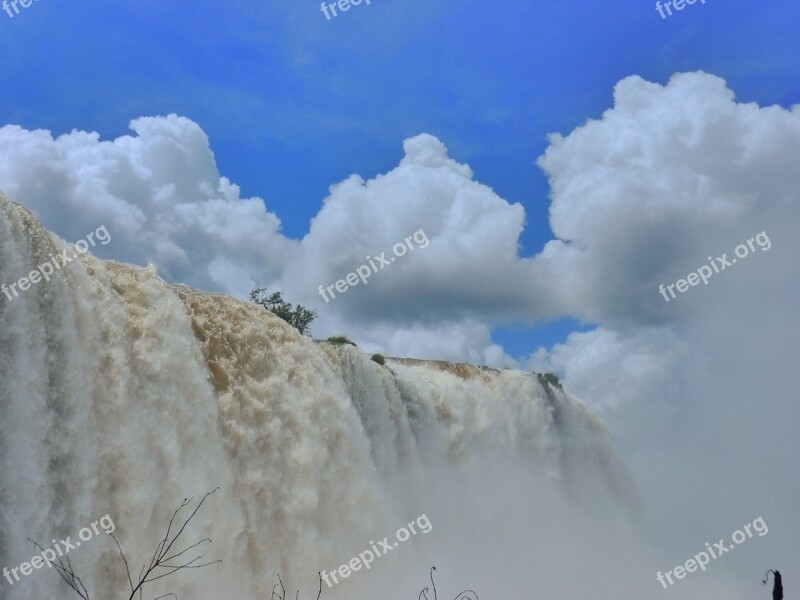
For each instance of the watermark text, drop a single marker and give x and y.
(702, 558)
(719, 264)
(364, 271)
(56, 261)
(60, 548)
(366, 557)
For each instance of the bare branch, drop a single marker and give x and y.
(159, 561)
(187, 549)
(282, 595)
(66, 573)
(177, 535)
(159, 566)
(465, 595)
(283, 589)
(125, 560)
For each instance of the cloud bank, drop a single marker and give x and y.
(669, 175)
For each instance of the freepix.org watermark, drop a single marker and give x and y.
(364, 272)
(719, 264)
(9, 4)
(344, 6)
(366, 557)
(701, 559)
(49, 555)
(45, 270)
(676, 4)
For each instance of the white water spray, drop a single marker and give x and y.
(122, 394)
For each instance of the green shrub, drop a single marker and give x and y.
(339, 339)
(299, 317)
(549, 379)
(378, 358)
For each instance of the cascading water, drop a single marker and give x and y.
(121, 394)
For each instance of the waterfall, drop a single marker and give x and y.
(121, 394)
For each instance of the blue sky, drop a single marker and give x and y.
(293, 103)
